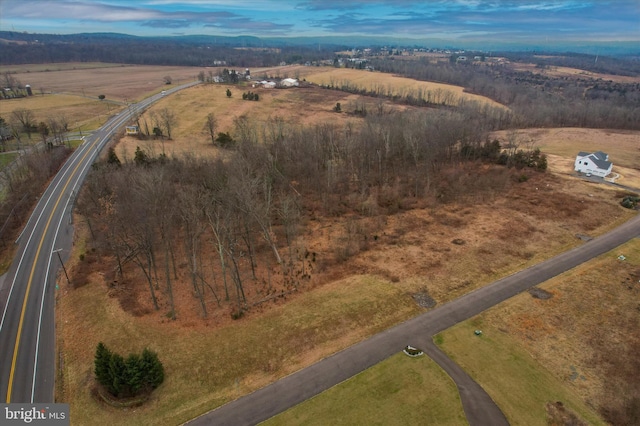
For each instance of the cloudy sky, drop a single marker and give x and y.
(504, 20)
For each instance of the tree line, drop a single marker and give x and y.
(536, 100)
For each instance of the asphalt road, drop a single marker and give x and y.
(308, 382)
(27, 329)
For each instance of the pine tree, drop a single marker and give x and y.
(102, 359)
(117, 372)
(134, 373)
(153, 369)
(113, 157)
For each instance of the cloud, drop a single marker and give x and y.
(408, 18)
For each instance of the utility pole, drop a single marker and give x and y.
(61, 263)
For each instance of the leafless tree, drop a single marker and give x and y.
(211, 126)
(26, 118)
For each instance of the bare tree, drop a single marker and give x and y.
(210, 127)
(26, 118)
(168, 120)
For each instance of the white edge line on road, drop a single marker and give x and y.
(46, 279)
(35, 225)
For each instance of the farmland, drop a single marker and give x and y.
(403, 253)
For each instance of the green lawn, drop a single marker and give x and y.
(517, 383)
(399, 390)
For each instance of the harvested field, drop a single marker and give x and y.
(122, 83)
(80, 112)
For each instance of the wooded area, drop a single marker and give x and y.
(236, 222)
(536, 100)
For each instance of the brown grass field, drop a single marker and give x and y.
(564, 72)
(80, 112)
(373, 80)
(122, 83)
(584, 334)
(214, 360)
(296, 107)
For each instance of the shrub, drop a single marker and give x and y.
(630, 202)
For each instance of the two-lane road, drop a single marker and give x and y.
(27, 331)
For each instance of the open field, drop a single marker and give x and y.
(295, 107)
(520, 385)
(585, 335)
(564, 72)
(387, 83)
(399, 390)
(60, 66)
(122, 83)
(563, 144)
(80, 112)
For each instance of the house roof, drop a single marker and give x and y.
(599, 158)
(601, 155)
(602, 164)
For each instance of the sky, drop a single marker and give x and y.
(458, 20)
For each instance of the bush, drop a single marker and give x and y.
(126, 378)
(630, 202)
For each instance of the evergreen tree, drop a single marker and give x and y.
(101, 363)
(117, 374)
(113, 157)
(140, 158)
(135, 373)
(153, 369)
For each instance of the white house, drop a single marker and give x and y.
(596, 163)
(288, 82)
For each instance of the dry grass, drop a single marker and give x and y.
(80, 112)
(564, 72)
(584, 335)
(61, 66)
(563, 144)
(122, 83)
(397, 85)
(296, 107)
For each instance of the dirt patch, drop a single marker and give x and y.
(423, 299)
(539, 293)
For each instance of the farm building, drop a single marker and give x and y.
(268, 84)
(596, 163)
(288, 82)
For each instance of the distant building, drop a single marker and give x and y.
(596, 163)
(289, 82)
(132, 130)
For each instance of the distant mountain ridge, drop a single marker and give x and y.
(609, 48)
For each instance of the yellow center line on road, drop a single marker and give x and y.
(33, 269)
